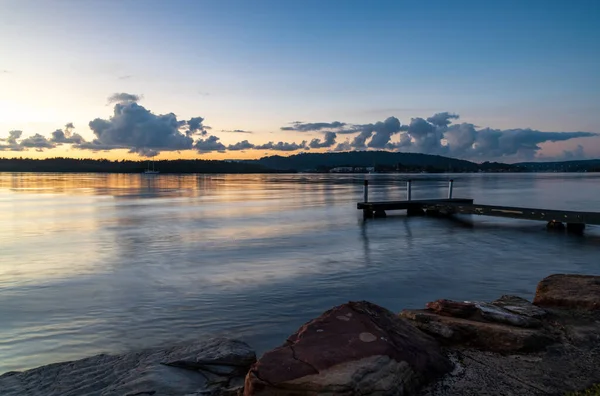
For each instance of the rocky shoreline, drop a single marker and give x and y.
(509, 346)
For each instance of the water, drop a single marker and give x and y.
(109, 263)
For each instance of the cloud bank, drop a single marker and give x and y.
(134, 128)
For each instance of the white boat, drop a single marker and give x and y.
(149, 171)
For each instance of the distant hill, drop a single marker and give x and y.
(316, 161)
(382, 161)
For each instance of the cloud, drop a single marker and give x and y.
(123, 98)
(425, 137)
(243, 145)
(209, 145)
(140, 131)
(282, 146)
(13, 136)
(37, 141)
(522, 143)
(6, 71)
(61, 136)
(313, 126)
(11, 140)
(328, 141)
(344, 146)
(442, 119)
(437, 135)
(383, 132)
(126, 77)
(195, 126)
(235, 131)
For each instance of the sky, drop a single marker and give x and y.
(504, 80)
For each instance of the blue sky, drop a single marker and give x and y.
(259, 65)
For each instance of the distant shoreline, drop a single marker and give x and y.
(343, 162)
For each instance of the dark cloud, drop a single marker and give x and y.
(442, 119)
(66, 135)
(425, 137)
(282, 146)
(522, 143)
(195, 126)
(243, 145)
(235, 131)
(11, 141)
(328, 141)
(313, 126)
(209, 145)
(13, 136)
(436, 135)
(134, 127)
(60, 137)
(344, 146)
(383, 131)
(123, 98)
(37, 141)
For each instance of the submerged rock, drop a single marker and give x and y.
(355, 348)
(211, 367)
(569, 292)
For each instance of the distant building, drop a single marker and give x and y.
(342, 169)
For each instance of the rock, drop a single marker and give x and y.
(478, 334)
(569, 291)
(498, 314)
(452, 308)
(212, 367)
(520, 306)
(355, 348)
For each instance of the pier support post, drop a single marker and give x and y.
(415, 210)
(554, 225)
(408, 190)
(450, 188)
(366, 191)
(379, 213)
(575, 228)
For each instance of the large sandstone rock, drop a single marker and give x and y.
(569, 291)
(479, 334)
(211, 367)
(353, 349)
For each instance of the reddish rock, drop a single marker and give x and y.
(355, 348)
(456, 309)
(569, 291)
(483, 335)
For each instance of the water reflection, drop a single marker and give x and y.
(104, 263)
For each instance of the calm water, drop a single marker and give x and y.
(108, 263)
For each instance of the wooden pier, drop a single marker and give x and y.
(556, 219)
